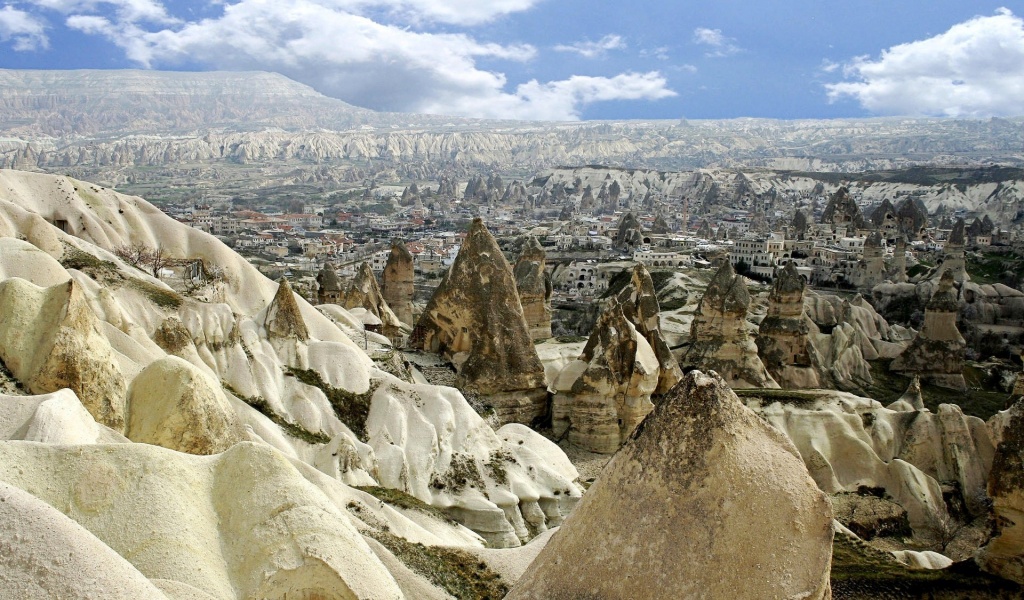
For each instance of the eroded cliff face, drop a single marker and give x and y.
(475, 319)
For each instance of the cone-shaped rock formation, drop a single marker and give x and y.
(397, 282)
(534, 287)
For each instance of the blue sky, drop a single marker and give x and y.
(564, 59)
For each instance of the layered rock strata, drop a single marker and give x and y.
(476, 320)
(719, 339)
(702, 472)
(534, 288)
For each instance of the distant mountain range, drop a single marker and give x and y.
(109, 125)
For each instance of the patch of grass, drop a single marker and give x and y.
(458, 572)
(351, 409)
(569, 339)
(163, 298)
(787, 397)
(402, 500)
(293, 429)
(496, 466)
(860, 571)
(990, 267)
(462, 471)
(978, 401)
(80, 260)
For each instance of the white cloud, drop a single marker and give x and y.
(598, 49)
(718, 45)
(26, 32)
(365, 62)
(976, 69)
(124, 10)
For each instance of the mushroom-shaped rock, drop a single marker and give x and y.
(47, 555)
(397, 281)
(329, 287)
(702, 475)
(50, 339)
(476, 319)
(284, 319)
(718, 335)
(534, 288)
(173, 404)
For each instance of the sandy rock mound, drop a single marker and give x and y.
(284, 319)
(50, 339)
(57, 418)
(173, 404)
(242, 524)
(58, 558)
(705, 500)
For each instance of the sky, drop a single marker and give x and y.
(564, 59)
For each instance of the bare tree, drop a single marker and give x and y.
(144, 257)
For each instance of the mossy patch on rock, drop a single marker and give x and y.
(351, 408)
(400, 499)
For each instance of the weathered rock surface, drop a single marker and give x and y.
(329, 286)
(534, 287)
(783, 340)
(842, 209)
(476, 319)
(953, 254)
(1004, 555)
(911, 399)
(628, 235)
(240, 524)
(702, 472)
(937, 353)
(284, 319)
(366, 294)
(719, 339)
(173, 404)
(51, 339)
(603, 395)
(397, 282)
(44, 554)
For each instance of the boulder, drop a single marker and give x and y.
(173, 404)
(476, 320)
(702, 475)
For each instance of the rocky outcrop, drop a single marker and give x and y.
(937, 353)
(911, 400)
(701, 472)
(173, 404)
(476, 320)
(898, 270)
(842, 210)
(953, 261)
(51, 339)
(1004, 555)
(329, 287)
(534, 288)
(364, 293)
(284, 319)
(397, 282)
(871, 268)
(783, 340)
(603, 395)
(628, 235)
(719, 339)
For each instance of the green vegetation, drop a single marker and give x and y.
(496, 466)
(980, 400)
(462, 471)
(990, 267)
(796, 398)
(402, 500)
(458, 572)
(569, 339)
(922, 176)
(293, 429)
(80, 260)
(351, 409)
(860, 571)
(162, 297)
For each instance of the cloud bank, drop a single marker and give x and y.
(24, 31)
(381, 54)
(976, 69)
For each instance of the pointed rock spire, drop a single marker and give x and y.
(284, 319)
